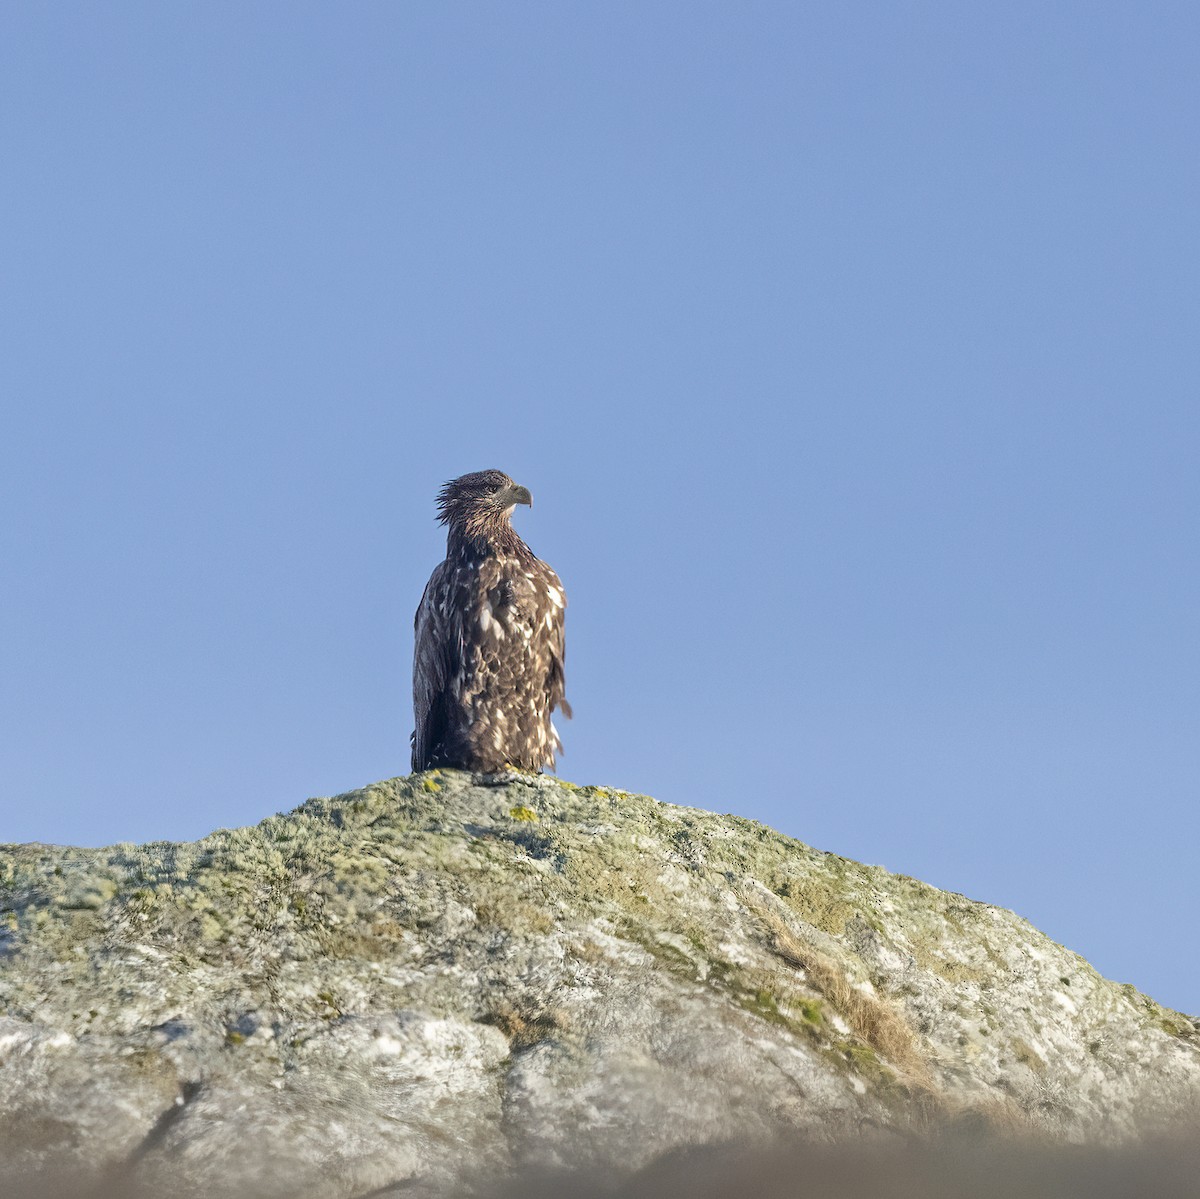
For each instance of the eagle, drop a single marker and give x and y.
(489, 650)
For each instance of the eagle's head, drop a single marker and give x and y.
(480, 504)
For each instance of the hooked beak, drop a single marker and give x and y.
(519, 495)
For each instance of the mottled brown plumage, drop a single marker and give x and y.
(488, 660)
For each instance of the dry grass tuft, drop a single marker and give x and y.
(872, 1021)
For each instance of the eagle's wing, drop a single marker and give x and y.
(556, 682)
(437, 627)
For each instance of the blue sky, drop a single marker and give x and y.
(848, 350)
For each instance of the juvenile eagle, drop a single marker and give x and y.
(488, 659)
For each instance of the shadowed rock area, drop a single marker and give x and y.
(436, 981)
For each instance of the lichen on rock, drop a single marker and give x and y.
(443, 976)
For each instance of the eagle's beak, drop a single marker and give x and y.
(520, 495)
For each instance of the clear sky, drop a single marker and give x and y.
(849, 351)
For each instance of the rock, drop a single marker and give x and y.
(439, 979)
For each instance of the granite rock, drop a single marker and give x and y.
(439, 979)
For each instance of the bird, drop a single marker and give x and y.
(489, 646)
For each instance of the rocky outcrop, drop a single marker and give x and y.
(440, 978)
